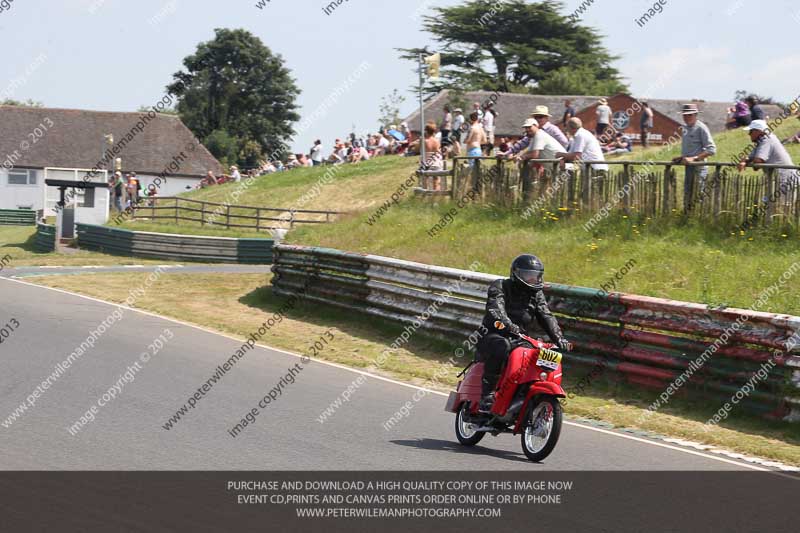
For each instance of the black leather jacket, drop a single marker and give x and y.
(514, 304)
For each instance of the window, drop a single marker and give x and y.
(86, 198)
(22, 177)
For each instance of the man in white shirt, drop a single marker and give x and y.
(488, 127)
(584, 146)
(235, 174)
(543, 145)
(316, 153)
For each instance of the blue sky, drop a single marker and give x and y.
(117, 55)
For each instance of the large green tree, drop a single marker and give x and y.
(235, 86)
(517, 46)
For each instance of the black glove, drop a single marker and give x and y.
(514, 330)
(564, 344)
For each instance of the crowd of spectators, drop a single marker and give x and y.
(474, 135)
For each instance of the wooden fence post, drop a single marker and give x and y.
(203, 214)
(228, 217)
(772, 198)
(626, 181)
(716, 201)
(586, 197)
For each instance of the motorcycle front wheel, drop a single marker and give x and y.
(465, 431)
(542, 428)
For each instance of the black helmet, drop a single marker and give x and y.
(528, 270)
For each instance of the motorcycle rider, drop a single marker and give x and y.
(511, 306)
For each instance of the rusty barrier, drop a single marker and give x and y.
(643, 341)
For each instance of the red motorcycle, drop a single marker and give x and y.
(526, 400)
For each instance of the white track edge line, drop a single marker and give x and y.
(389, 380)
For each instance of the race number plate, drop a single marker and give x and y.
(549, 359)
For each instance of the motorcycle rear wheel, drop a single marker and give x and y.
(465, 432)
(542, 428)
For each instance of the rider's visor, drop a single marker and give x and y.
(531, 277)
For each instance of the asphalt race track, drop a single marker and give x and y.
(127, 433)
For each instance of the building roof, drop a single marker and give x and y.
(513, 109)
(76, 140)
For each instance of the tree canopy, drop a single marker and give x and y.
(518, 46)
(236, 92)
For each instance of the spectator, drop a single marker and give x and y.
(503, 147)
(342, 151)
(742, 114)
(433, 157)
(603, 117)
(476, 108)
(268, 168)
(138, 185)
(235, 173)
(316, 153)
(476, 137)
(756, 111)
(542, 115)
(696, 145)
(769, 150)
(446, 125)
(211, 178)
(334, 158)
(132, 190)
(620, 145)
(405, 130)
(542, 146)
(292, 162)
(794, 139)
(304, 160)
(458, 125)
(359, 154)
(118, 189)
(584, 146)
(569, 112)
(645, 123)
(523, 143)
(489, 117)
(383, 144)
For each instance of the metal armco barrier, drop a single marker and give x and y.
(17, 217)
(641, 340)
(174, 247)
(45, 240)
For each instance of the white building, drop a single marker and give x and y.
(38, 143)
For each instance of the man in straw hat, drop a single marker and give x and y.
(542, 115)
(697, 144)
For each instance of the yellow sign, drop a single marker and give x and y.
(434, 62)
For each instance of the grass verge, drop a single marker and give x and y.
(247, 301)
(17, 243)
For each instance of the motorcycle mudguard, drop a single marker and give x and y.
(540, 388)
(546, 387)
(469, 390)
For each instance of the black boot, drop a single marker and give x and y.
(487, 394)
